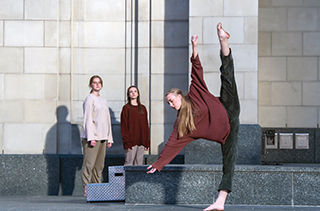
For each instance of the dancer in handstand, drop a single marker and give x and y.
(203, 115)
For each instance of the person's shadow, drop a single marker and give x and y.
(63, 143)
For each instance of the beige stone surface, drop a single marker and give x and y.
(157, 116)
(97, 34)
(33, 132)
(23, 33)
(247, 53)
(157, 31)
(158, 10)
(311, 93)
(11, 60)
(264, 44)
(11, 111)
(272, 68)
(206, 8)
(143, 86)
(156, 137)
(99, 61)
(272, 116)
(249, 111)
(40, 60)
(64, 87)
(213, 82)
(143, 61)
(51, 86)
(241, 8)
(286, 44)
(196, 28)
(251, 30)
(287, 2)
(65, 60)
(65, 9)
(251, 85)
(105, 10)
(311, 45)
(1, 86)
(315, 3)
(286, 93)
(143, 34)
(272, 19)
(1, 33)
(157, 87)
(112, 89)
(51, 33)
(302, 117)
(144, 10)
(265, 3)
(11, 9)
(41, 9)
(1, 137)
(264, 94)
(157, 58)
(39, 111)
(298, 17)
(302, 68)
(24, 86)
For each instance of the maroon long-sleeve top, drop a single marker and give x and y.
(134, 126)
(211, 119)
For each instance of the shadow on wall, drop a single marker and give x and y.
(63, 138)
(117, 147)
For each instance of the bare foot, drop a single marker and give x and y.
(214, 207)
(222, 34)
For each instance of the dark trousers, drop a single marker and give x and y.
(230, 100)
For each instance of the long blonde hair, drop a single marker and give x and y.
(185, 117)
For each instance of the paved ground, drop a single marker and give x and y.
(77, 203)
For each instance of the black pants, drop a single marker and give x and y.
(230, 100)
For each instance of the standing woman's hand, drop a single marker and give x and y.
(93, 143)
(109, 145)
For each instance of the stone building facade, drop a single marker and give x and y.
(50, 48)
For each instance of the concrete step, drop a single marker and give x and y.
(197, 184)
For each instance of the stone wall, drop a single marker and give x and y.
(289, 33)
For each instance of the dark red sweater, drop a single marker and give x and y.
(211, 118)
(134, 126)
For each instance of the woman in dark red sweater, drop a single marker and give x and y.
(203, 115)
(134, 128)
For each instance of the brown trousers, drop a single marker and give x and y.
(93, 162)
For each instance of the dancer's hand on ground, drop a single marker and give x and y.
(109, 145)
(152, 170)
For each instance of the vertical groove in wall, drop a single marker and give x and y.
(58, 65)
(71, 65)
(150, 60)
